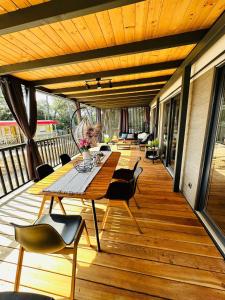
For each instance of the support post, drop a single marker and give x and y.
(156, 119)
(182, 125)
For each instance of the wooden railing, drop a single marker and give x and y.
(13, 163)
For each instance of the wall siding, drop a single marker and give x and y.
(199, 103)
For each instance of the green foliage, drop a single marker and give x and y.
(5, 113)
(154, 143)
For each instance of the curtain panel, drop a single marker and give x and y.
(124, 120)
(23, 107)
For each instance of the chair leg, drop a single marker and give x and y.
(131, 215)
(60, 204)
(135, 201)
(18, 269)
(72, 291)
(87, 235)
(42, 205)
(138, 188)
(105, 216)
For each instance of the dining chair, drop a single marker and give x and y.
(43, 171)
(65, 158)
(120, 193)
(124, 173)
(105, 148)
(22, 296)
(51, 234)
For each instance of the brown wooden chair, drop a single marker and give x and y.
(43, 171)
(52, 233)
(120, 193)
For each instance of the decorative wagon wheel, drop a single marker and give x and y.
(86, 129)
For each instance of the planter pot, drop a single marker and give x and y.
(86, 155)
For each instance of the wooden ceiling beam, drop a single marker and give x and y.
(110, 73)
(119, 99)
(160, 43)
(54, 11)
(114, 84)
(117, 91)
(122, 96)
(119, 105)
(211, 37)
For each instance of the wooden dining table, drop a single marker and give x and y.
(95, 191)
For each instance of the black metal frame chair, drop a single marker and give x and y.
(22, 296)
(52, 233)
(65, 158)
(126, 174)
(105, 148)
(43, 171)
(120, 193)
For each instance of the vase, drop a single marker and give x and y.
(86, 155)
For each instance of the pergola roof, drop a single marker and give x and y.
(57, 45)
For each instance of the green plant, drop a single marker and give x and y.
(154, 143)
(106, 138)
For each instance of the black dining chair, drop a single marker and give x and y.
(120, 193)
(51, 234)
(42, 172)
(105, 148)
(22, 296)
(126, 174)
(65, 158)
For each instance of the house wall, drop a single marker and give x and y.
(200, 98)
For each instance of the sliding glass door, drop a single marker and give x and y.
(213, 183)
(170, 131)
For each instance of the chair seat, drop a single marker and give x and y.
(66, 225)
(22, 296)
(125, 174)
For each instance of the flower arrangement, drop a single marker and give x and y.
(85, 145)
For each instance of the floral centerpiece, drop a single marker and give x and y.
(85, 145)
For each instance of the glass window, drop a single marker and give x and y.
(214, 199)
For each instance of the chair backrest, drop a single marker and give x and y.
(105, 148)
(22, 296)
(137, 173)
(40, 238)
(44, 170)
(136, 164)
(65, 158)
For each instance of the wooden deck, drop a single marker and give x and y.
(173, 259)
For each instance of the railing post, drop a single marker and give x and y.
(182, 125)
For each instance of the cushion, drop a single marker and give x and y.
(143, 136)
(130, 136)
(145, 139)
(123, 135)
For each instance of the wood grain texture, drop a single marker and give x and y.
(174, 257)
(97, 188)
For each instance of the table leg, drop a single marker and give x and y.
(96, 225)
(51, 204)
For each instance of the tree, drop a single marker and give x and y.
(5, 113)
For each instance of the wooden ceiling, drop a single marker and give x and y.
(57, 45)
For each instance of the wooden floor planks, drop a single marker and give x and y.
(173, 259)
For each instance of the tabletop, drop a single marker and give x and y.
(97, 188)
